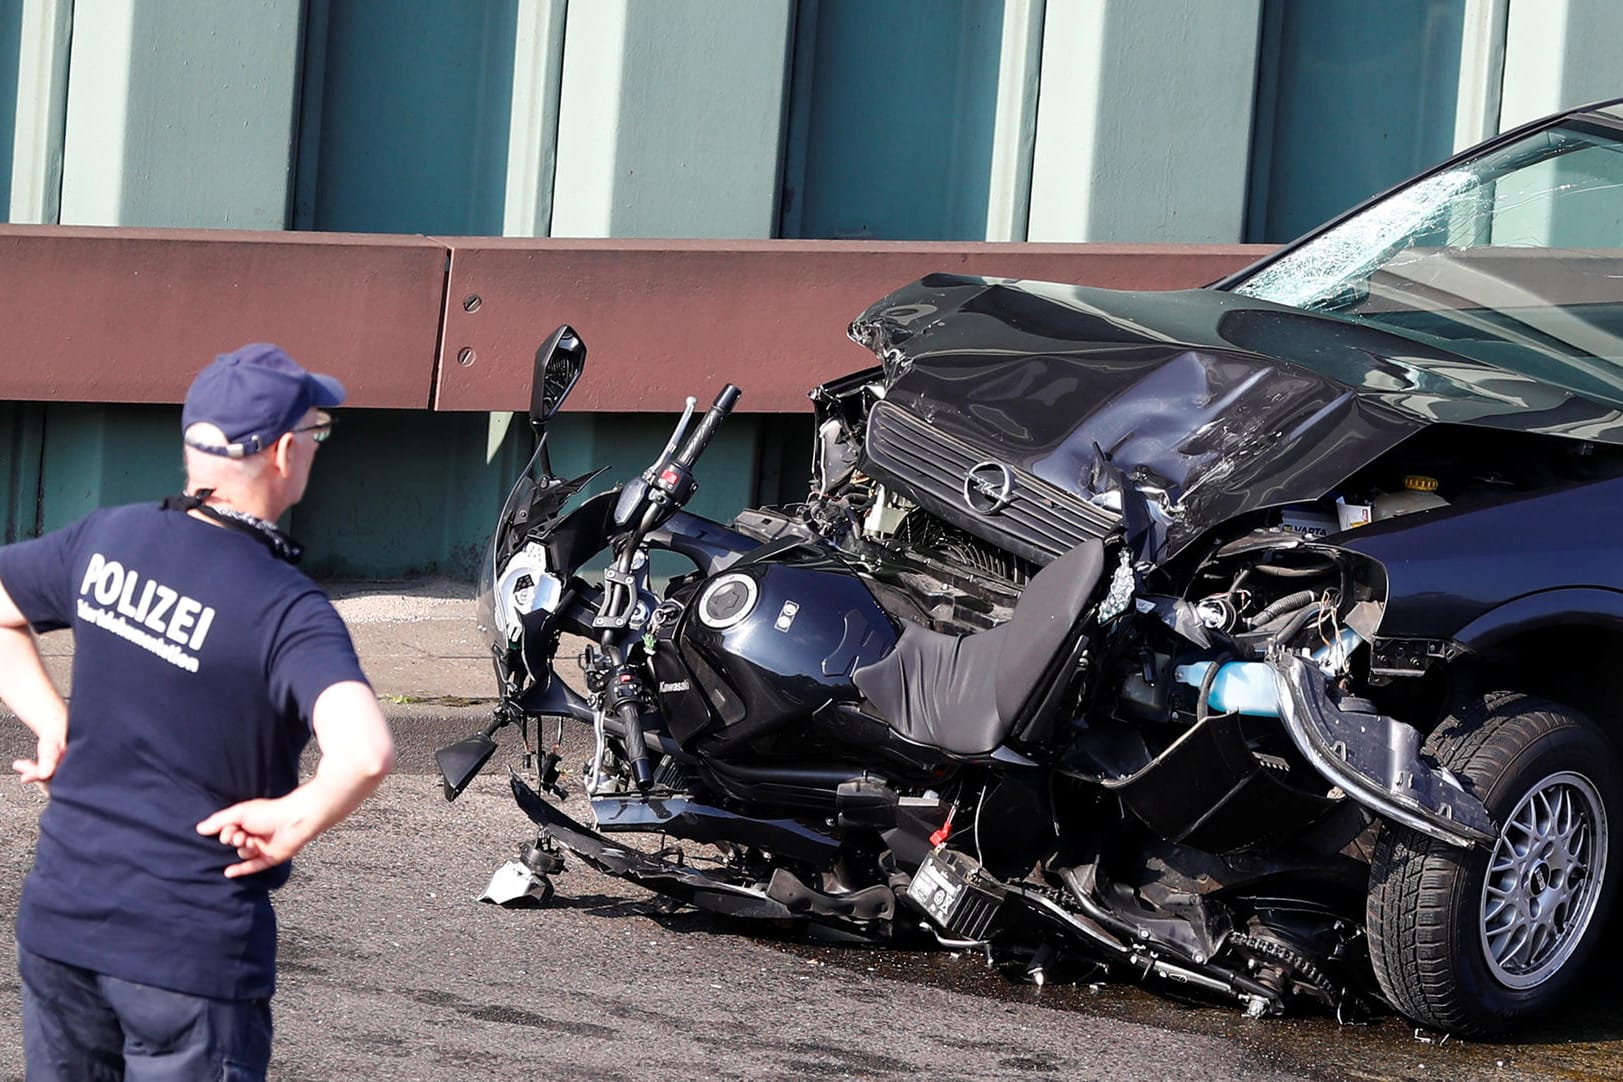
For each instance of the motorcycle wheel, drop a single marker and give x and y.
(1470, 941)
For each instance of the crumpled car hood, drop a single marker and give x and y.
(1183, 409)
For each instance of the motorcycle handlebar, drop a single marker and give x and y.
(707, 428)
(665, 487)
(642, 774)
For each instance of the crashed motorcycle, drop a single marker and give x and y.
(846, 716)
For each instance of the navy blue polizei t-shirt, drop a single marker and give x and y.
(198, 656)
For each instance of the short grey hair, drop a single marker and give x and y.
(207, 470)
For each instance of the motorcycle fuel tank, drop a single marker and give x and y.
(773, 639)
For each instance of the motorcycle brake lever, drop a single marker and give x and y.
(680, 430)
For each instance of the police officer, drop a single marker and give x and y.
(203, 661)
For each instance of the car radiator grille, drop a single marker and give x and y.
(1040, 522)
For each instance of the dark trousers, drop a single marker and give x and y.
(82, 1026)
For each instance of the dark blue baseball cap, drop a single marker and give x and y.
(254, 395)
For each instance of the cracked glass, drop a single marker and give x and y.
(1513, 258)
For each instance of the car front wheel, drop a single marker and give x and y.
(1469, 941)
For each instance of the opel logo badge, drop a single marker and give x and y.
(988, 488)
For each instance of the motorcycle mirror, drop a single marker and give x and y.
(558, 364)
(461, 762)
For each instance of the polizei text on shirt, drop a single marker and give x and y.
(157, 618)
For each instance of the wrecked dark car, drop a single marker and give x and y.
(1402, 432)
(1310, 580)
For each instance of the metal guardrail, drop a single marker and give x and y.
(128, 315)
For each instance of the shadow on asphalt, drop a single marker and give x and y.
(1584, 1040)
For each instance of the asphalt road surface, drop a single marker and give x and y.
(391, 970)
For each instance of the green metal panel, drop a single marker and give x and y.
(1142, 120)
(34, 44)
(400, 492)
(732, 474)
(395, 492)
(22, 435)
(95, 456)
(1558, 54)
(628, 442)
(11, 27)
(783, 458)
(1312, 155)
(895, 120)
(671, 118)
(410, 100)
(181, 113)
(532, 144)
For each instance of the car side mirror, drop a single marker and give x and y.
(558, 365)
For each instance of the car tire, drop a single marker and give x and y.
(1449, 947)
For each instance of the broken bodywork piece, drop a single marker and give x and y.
(1376, 759)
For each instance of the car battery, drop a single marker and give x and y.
(957, 894)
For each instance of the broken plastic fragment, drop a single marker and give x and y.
(515, 884)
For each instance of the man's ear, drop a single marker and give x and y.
(282, 454)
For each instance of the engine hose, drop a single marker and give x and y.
(1203, 706)
(1280, 572)
(1279, 621)
(1297, 622)
(1281, 605)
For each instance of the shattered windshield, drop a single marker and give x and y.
(1513, 257)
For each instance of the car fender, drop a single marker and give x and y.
(1561, 607)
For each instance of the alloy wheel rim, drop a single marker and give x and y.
(1543, 880)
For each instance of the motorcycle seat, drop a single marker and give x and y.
(965, 693)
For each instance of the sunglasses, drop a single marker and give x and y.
(321, 429)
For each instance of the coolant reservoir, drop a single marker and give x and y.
(1240, 687)
(1419, 493)
(1248, 687)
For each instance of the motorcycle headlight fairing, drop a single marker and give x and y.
(524, 586)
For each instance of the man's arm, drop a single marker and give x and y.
(357, 752)
(26, 687)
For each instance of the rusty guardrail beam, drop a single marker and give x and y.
(128, 315)
(664, 319)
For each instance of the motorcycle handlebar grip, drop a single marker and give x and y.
(636, 746)
(707, 427)
(726, 398)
